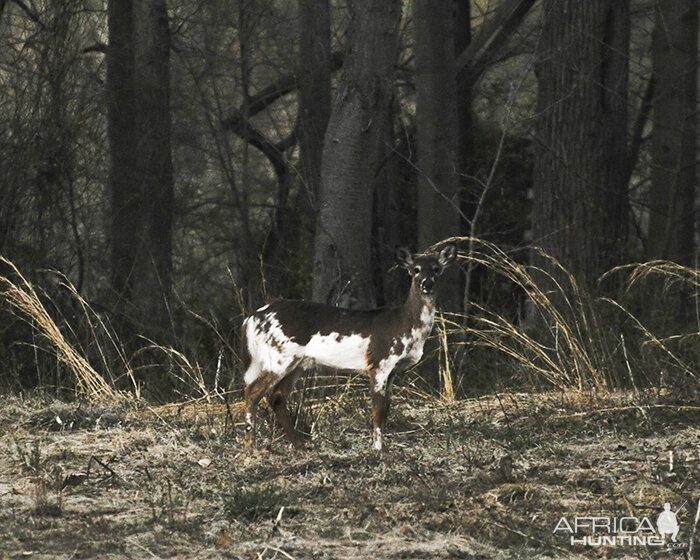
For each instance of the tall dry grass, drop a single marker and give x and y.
(99, 365)
(681, 286)
(570, 338)
(25, 303)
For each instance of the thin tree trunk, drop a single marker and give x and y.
(462, 38)
(353, 151)
(126, 218)
(469, 188)
(154, 133)
(314, 90)
(291, 240)
(388, 220)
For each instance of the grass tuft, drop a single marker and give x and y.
(571, 338)
(252, 502)
(25, 302)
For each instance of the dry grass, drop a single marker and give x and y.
(569, 338)
(478, 478)
(670, 272)
(485, 478)
(111, 374)
(24, 301)
(666, 277)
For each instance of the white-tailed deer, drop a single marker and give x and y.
(285, 336)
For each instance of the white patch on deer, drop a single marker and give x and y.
(420, 334)
(263, 308)
(427, 317)
(270, 349)
(412, 350)
(378, 439)
(386, 366)
(338, 351)
(273, 351)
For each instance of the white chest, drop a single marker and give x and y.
(406, 350)
(415, 340)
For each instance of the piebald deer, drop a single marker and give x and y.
(285, 336)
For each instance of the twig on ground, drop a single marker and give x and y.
(103, 465)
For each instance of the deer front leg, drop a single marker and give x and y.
(380, 408)
(254, 391)
(381, 394)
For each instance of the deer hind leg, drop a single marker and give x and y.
(254, 391)
(277, 400)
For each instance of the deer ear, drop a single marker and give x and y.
(447, 254)
(404, 258)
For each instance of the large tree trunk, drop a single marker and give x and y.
(673, 152)
(581, 208)
(437, 127)
(353, 150)
(141, 178)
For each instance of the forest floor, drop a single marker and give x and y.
(487, 478)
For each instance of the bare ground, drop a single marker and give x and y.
(483, 478)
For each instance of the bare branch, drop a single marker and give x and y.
(268, 95)
(492, 35)
(243, 128)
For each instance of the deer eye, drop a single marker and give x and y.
(416, 270)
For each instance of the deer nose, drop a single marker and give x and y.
(427, 285)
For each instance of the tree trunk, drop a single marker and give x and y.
(673, 151)
(353, 150)
(437, 127)
(314, 90)
(123, 181)
(468, 187)
(462, 38)
(141, 177)
(581, 208)
(389, 220)
(291, 241)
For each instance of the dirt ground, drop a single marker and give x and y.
(486, 478)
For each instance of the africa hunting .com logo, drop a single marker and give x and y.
(599, 531)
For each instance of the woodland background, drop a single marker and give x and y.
(167, 166)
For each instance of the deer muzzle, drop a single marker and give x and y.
(427, 285)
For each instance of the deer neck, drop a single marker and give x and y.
(420, 310)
